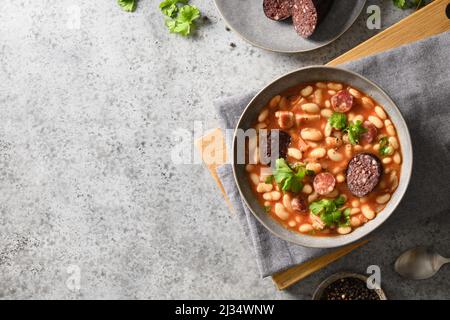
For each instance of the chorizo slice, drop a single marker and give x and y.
(299, 205)
(371, 133)
(342, 101)
(277, 9)
(324, 183)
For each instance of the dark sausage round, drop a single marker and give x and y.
(307, 14)
(363, 174)
(277, 9)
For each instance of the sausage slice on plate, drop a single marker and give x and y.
(307, 14)
(278, 9)
(324, 183)
(363, 174)
(342, 101)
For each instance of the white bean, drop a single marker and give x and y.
(326, 113)
(311, 134)
(344, 230)
(380, 113)
(354, 93)
(397, 158)
(310, 107)
(368, 212)
(340, 178)
(331, 92)
(393, 142)
(390, 130)
(294, 153)
(274, 101)
(327, 104)
(355, 203)
(334, 86)
(281, 212)
(255, 178)
(328, 129)
(306, 91)
(334, 155)
(321, 85)
(272, 196)
(263, 115)
(264, 187)
(261, 125)
(383, 198)
(292, 223)
(355, 222)
(376, 121)
(367, 102)
(387, 160)
(306, 227)
(318, 96)
(287, 202)
(354, 211)
(318, 153)
(307, 189)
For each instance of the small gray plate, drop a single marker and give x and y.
(247, 18)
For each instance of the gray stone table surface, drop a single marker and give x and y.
(87, 184)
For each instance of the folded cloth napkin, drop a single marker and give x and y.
(417, 78)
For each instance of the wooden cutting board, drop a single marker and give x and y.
(428, 21)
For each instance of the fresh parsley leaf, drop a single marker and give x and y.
(355, 130)
(408, 4)
(329, 212)
(170, 7)
(184, 22)
(385, 149)
(127, 5)
(289, 179)
(346, 215)
(338, 120)
(269, 179)
(267, 209)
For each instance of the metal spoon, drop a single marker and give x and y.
(419, 263)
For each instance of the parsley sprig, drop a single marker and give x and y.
(338, 120)
(385, 148)
(330, 212)
(127, 5)
(180, 16)
(409, 4)
(290, 178)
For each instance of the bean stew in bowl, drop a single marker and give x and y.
(323, 156)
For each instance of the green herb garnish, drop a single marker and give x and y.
(338, 120)
(269, 179)
(170, 7)
(385, 149)
(289, 179)
(330, 213)
(354, 131)
(267, 209)
(184, 22)
(409, 4)
(127, 5)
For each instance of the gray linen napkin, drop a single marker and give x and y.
(417, 78)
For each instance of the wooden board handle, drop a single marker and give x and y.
(285, 279)
(426, 22)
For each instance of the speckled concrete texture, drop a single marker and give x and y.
(86, 180)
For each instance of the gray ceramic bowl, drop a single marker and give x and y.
(312, 74)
